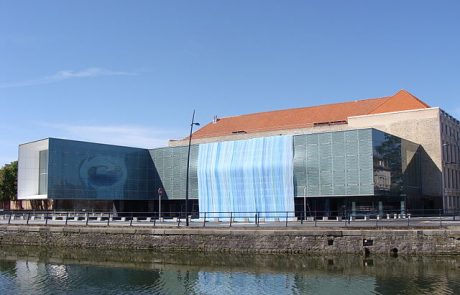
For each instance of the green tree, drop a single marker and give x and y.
(9, 182)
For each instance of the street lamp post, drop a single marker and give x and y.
(160, 194)
(188, 166)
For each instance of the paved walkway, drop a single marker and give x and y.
(418, 222)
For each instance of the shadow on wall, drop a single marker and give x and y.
(424, 182)
(81, 205)
(27, 205)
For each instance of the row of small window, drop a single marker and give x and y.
(453, 202)
(453, 131)
(451, 153)
(452, 178)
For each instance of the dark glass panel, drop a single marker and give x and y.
(81, 170)
(388, 178)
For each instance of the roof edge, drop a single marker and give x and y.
(405, 111)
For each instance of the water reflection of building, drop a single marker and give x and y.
(225, 282)
(371, 153)
(382, 174)
(33, 277)
(335, 284)
(29, 276)
(175, 273)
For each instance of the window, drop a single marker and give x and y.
(448, 153)
(43, 173)
(454, 154)
(448, 178)
(444, 152)
(456, 179)
(452, 178)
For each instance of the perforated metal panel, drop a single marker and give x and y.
(325, 164)
(335, 163)
(312, 165)
(365, 158)
(299, 163)
(171, 166)
(339, 165)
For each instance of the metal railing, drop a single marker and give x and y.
(388, 218)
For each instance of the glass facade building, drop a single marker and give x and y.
(81, 170)
(364, 162)
(342, 164)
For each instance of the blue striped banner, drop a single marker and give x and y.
(254, 175)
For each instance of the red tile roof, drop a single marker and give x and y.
(337, 113)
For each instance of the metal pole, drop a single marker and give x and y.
(188, 167)
(159, 206)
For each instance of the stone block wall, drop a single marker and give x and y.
(427, 241)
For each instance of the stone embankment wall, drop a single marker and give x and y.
(301, 241)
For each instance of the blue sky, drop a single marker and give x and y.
(131, 72)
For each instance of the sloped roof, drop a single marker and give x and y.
(336, 113)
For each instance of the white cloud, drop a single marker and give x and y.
(66, 75)
(133, 136)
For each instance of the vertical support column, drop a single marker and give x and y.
(353, 209)
(327, 207)
(305, 202)
(114, 208)
(380, 208)
(403, 207)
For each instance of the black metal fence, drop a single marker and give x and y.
(413, 218)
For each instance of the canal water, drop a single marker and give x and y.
(28, 270)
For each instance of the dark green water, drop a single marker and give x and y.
(26, 270)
